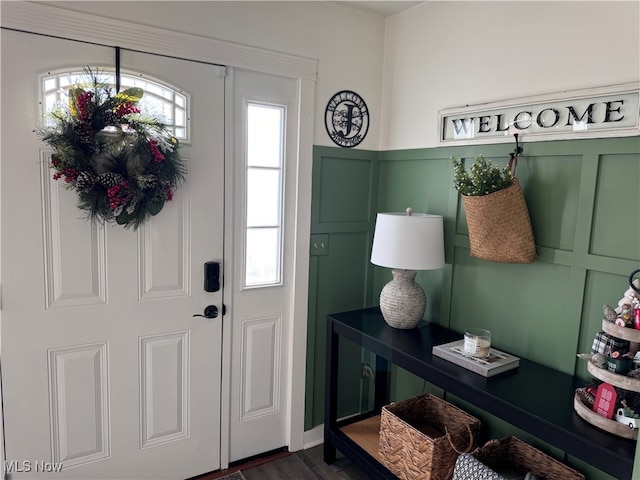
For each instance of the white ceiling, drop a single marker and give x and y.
(382, 8)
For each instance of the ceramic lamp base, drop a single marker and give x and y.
(402, 300)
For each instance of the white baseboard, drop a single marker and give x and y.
(313, 437)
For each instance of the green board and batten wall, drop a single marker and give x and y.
(584, 201)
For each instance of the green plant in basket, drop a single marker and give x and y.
(482, 179)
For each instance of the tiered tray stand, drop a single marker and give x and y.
(621, 381)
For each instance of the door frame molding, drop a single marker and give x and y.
(59, 22)
(62, 23)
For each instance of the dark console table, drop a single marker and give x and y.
(534, 398)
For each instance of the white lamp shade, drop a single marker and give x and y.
(408, 242)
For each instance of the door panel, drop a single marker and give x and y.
(105, 369)
(262, 316)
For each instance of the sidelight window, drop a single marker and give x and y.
(264, 194)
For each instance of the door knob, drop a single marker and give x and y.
(211, 311)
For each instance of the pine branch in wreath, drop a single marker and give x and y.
(123, 163)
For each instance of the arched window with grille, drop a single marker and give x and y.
(167, 103)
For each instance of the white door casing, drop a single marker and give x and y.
(105, 370)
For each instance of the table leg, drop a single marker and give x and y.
(381, 393)
(331, 393)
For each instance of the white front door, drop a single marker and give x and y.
(105, 372)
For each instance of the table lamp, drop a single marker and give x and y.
(406, 242)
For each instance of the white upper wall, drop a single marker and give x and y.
(437, 55)
(348, 44)
(450, 54)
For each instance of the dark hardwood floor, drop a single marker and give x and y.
(305, 465)
(302, 465)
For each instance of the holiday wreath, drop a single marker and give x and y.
(122, 163)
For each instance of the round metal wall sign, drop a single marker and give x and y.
(346, 119)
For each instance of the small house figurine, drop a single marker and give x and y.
(606, 399)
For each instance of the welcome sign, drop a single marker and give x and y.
(594, 113)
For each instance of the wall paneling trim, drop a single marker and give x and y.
(582, 197)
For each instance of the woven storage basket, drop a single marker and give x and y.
(513, 454)
(410, 453)
(499, 226)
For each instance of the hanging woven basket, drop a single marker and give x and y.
(499, 225)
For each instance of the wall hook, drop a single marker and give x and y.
(518, 149)
(513, 156)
